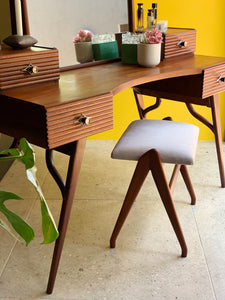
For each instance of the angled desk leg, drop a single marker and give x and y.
(76, 151)
(215, 107)
(215, 126)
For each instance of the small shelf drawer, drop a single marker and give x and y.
(178, 41)
(67, 123)
(28, 66)
(213, 80)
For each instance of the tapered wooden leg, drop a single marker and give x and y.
(184, 171)
(164, 191)
(187, 180)
(173, 178)
(214, 102)
(137, 181)
(68, 196)
(215, 126)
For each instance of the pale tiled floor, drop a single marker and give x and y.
(146, 263)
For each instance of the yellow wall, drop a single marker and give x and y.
(208, 18)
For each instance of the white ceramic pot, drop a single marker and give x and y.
(84, 52)
(148, 55)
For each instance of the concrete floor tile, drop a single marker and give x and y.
(146, 262)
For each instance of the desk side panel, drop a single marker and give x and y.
(23, 119)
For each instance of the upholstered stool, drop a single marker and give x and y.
(151, 143)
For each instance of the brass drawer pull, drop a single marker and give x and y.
(182, 44)
(83, 120)
(30, 69)
(221, 79)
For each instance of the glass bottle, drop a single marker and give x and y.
(150, 19)
(154, 7)
(140, 16)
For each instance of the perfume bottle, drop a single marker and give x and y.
(150, 19)
(140, 16)
(154, 7)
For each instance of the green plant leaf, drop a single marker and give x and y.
(10, 154)
(28, 157)
(49, 229)
(20, 226)
(7, 228)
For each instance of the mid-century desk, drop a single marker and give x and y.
(55, 115)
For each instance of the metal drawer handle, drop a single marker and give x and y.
(182, 44)
(221, 79)
(30, 69)
(83, 120)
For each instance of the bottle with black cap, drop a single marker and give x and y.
(150, 19)
(154, 7)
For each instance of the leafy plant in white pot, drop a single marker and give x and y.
(149, 50)
(83, 46)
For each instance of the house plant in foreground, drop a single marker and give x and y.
(25, 155)
(149, 50)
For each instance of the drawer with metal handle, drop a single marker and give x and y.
(213, 80)
(79, 119)
(28, 66)
(178, 41)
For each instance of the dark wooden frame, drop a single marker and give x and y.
(26, 27)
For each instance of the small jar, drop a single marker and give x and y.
(140, 17)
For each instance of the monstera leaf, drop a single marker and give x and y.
(20, 226)
(26, 156)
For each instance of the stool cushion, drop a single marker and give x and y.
(176, 142)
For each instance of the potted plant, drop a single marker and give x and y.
(25, 155)
(83, 46)
(149, 50)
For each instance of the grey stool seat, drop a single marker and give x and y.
(175, 142)
(151, 143)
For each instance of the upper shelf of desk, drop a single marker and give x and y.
(115, 77)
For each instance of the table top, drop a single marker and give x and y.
(109, 79)
(47, 114)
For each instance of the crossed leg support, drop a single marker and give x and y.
(150, 161)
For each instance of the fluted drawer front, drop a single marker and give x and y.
(179, 43)
(25, 67)
(62, 121)
(213, 80)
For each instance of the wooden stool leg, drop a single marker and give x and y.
(137, 181)
(187, 180)
(184, 171)
(164, 191)
(173, 178)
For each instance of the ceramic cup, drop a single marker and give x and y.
(148, 55)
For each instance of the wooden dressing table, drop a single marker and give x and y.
(55, 116)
